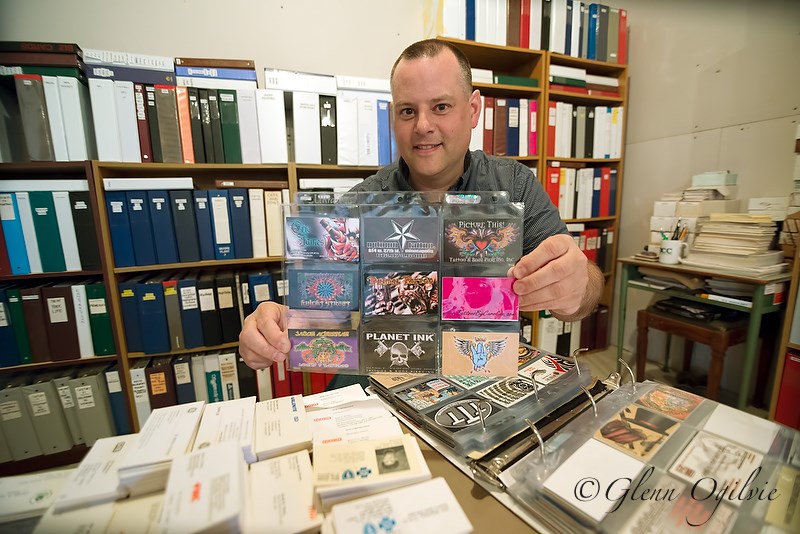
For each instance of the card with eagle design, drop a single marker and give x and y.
(490, 240)
(316, 289)
(480, 353)
(330, 349)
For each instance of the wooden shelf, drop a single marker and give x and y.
(224, 346)
(59, 363)
(209, 264)
(50, 169)
(500, 59)
(510, 91)
(578, 98)
(793, 346)
(591, 65)
(40, 276)
(584, 160)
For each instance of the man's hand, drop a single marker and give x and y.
(263, 339)
(556, 276)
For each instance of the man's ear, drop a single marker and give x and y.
(475, 107)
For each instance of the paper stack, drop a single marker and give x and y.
(232, 420)
(96, 479)
(281, 427)
(334, 397)
(354, 421)
(26, 496)
(349, 471)
(206, 491)
(168, 434)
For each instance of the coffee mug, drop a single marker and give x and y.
(671, 251)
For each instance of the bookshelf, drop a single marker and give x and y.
(782, 381)
(536, 64)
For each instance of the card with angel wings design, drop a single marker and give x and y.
(480, 353)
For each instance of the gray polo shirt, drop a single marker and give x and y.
(488, 173)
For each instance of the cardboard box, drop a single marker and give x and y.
(766, 203)
(706, 207)
(714, 178)
(663, 208)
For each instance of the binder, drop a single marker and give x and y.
(28, 231)
(152, 315)
(163, 235)
(168, 131)
(228, 306)
(85, 231)
(119, 227)
(213, 377)
(16, 316)
(240, 222)
(384, 135)
(258, 222)
(161, 383)
(60, 379)
(205, 232)
(35, 121)
(172, 307)
(196, 126)
(16, 422)
(248, 386)
(91, 398)
(141, 398)
(130, 312)
(261, 287)
(224, 245)
(205, 126)
(229, 125)
(198, 369)
(48, 238)
(99, 319)
(512, 128)
(62, 331)
(216, 126)
(9, 355)
(117, 401)
(328, 129)
(185, 225)
(229, 378)
(12, 233)
(209, 314)
(184, 386)
(35, 322)
(191, 322)
(49, 421)
(84, 329)
(141, 227)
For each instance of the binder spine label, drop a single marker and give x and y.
(97, 306)
(85, 397)
(58, 310)
(39, 405)
(65, 395)
(10, 410)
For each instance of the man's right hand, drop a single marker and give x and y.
(264, 339)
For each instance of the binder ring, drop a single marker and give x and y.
(633, 378)
(535, 383)
(480, 413)
(538, 436)
(575, 357)
(594, 405)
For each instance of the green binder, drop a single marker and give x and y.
(229, 120)
(18, 323)
(45, 223)
(99, 319)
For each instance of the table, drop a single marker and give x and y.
(767, 297)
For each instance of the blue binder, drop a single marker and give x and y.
(12, 232)
(120, 228)
(164, 230)
(205, 231)
(512, 129)
(144, 249)
(471, 22)
(153, 315)
(596, 181)
(190, 312)
(384, 142)
(184, 381)
(612, 188)
(591, 39)
(130, 313)
(261, 288)
(224, 244)
(118, 402)
(239, 204)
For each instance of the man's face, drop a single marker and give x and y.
(434, 115)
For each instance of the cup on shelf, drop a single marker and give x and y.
(671, 252)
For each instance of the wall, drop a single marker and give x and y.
(713, 84)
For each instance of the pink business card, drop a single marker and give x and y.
(479, 299)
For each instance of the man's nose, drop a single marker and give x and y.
(424, 124)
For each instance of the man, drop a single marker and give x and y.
(435, 110)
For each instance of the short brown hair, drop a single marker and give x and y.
(432, 48)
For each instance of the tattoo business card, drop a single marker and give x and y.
(323, 349)
(479, 299)
(482, 241)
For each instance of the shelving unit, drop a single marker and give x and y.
(787, 348)
(536, 64)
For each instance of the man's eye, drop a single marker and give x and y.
(406, 112)
(442, 107)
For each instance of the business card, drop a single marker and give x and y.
(400, 239)
(323, 349)
(481, 241)
(481, 353)
(399, 351)
(479, 299)
(322, 238)
(314, 289)
(463, 412)
(401, 293)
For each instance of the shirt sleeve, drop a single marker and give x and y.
(541, 218)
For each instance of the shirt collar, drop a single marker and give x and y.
(404, 173)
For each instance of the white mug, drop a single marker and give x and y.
(671, 251)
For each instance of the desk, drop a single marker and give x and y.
(763, 302)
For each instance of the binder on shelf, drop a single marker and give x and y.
(196, 125)
(272, 126)
(55, 118)
(199, 377)
(48, 238)
(161, 383)
(248, 125)
(35, 121)
(129, 308)
(91, 397)
(172, 307)
(216, 126)
(209, 312)
(258, 222)
(228, 306)
(66, 230)
(152, 315)
(12, 233)
(85, 230)
(191, 321)
(62, 332)
(49, 421)
(205, 228)
(240, 222)
(9, 356)
(17, 420)
(163, 234)
(35, 321)
(28, 231)
(185, 225)
(82, 325)
(213, 379)
(16, 316)
(141, 225)
(184, 385)
(99, 319)
(60, 379)
(229, 378)
(229, 125)
(185, 123)
(117, 401)
(119, 227)
(327, 126)
(141, 398)
(224, 244)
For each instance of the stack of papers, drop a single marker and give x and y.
(349, 471)
(168, 434)
(359, 420)
(26, 496)
(232, 420)
(334, 397)
(281, 427)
